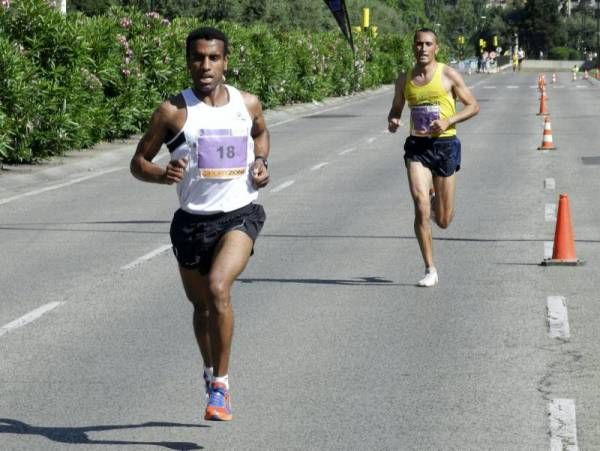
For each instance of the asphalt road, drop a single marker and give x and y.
(335, 347)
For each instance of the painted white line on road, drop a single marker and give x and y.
(283, 186)
(534, 87)
(559, 87)
(343, 152)
(29, 317)
(581, 86)
(563, 425)
(318, 166)
(371, 140)
(512, 87)
(550, 212)
(558, 317)
(147, 257)
(60, 185)
(548, 249)
(549, 183)
(489, 87)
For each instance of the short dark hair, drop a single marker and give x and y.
(425, 30)
(209, 34)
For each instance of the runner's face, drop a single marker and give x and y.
(207, 64)
(425, 47)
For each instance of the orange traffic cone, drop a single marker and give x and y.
(547, 136)
(543, 104)
(563, 252)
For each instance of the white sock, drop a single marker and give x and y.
(222, 380)
(208, 372)
(430, 270)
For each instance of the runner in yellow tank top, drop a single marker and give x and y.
(432, 150)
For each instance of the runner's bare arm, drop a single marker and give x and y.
(464, 94)
(260, 134)
(141, 165)
(397, 105)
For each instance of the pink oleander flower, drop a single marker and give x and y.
(153, 15)
(122, 40)
(5, 3)
(125, 22)
(126, 72)
(127, 60)
(165, 22)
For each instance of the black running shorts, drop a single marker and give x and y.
(195, 237)
(440, 155)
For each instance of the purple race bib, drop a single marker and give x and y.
(421, 117)
(221, 154)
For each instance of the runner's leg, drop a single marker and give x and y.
(230, 259)
(420, 182)
(196, 289)
(445, 189)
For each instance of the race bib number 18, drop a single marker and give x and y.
(221, 155)
(422, 116)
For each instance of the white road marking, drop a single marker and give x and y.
(563, 425)
(548, 249)
(60, 185)
(371, 140)
(534, 87)
(549, 183)
(318, 166)
(343, 152)
(147, 257)
(581, 86)
(550, 212)
(489, 87)
(283, 186)
(558, 317)
(29, 317)
(512, 87)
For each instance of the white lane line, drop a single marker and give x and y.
(512, 87)
(581, 86)
(283, 186)
(29, 317)
(563, 425)
(489, 87)
(146, 257)
(548, 249)
(558, 317)
(371, 140)
(550, 212)
(318, 166)
(534, 87)
(61, 185)
(549, 183)
(343, 152)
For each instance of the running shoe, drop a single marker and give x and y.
(219, 404)
(430, 279)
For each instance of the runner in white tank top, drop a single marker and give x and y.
(219, 146)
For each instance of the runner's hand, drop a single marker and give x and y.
(260, 173)
(174, 171)
(393, 124)
(439, 126)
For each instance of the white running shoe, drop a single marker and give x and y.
(430, 279)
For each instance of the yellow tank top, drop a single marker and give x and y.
(429, 102)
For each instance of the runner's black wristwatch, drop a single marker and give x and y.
(264, 160)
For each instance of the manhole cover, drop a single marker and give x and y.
(591, 160)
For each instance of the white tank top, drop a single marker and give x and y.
(220, 149)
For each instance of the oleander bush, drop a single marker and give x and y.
(70, 82)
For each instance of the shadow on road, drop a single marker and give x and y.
(79, 435)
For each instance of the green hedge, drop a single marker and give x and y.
(70, 82)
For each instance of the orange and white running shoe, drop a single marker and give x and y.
(219, 403)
